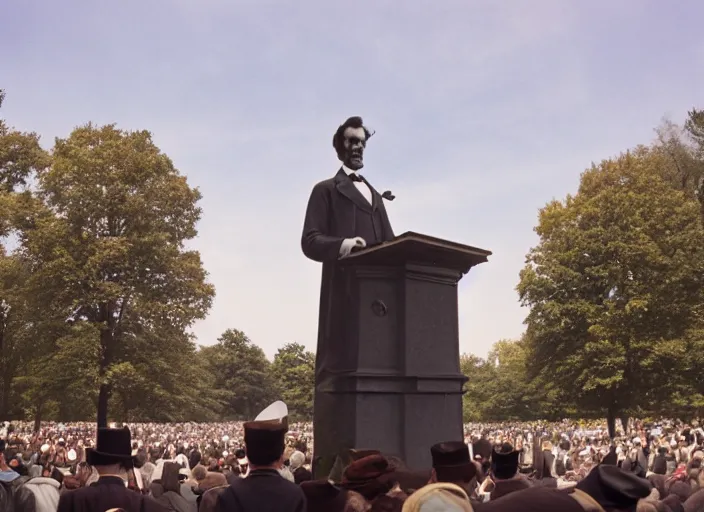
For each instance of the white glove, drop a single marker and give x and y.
(349, 243)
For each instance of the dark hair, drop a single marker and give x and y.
(57, 475)
(265, 455)
(169, 477)
(338, 140)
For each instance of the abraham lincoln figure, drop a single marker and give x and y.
(345, 213)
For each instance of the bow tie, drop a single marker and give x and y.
(356, 177)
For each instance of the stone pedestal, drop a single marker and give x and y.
(400, 339)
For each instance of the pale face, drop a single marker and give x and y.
(355, 140)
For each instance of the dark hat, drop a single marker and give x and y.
(450, 454)
(264, 441)
(660, 465)
(451, 462)
(112, 447)
(614, 488)
(611, 458)
(505, 456)
(367, 468)
(370, 476)
(323, 496)
(482, 448)
(504, 461)
(356, 454)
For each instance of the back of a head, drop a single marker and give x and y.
(297, 459)
(355, 502)
(647, 506)
(199, 472)
(387, 503)
(441, 497)
(264, 442)
(169, 477)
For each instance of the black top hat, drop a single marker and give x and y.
(614, 488)
(504, 461)
(450, 454)
(451, 462)
(264, 441)
(482, 448)
(112, 447)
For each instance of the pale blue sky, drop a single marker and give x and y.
(484, 111)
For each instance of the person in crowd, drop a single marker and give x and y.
(167, 490)
(451, 464)
(264, 489)
(112, 457)
(300, 473)
(46, 490)
(14, 495)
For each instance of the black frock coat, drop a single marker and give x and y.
(107, 493)
(264, 490)
(337, 210)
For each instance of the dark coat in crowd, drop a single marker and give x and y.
(264, 490)
(107, 493)
(14, 496)
(301, 475)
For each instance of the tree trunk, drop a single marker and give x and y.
(103, 399)
(611, 422)
(5, 400)
(38, 417)
(624, 422)
(108, 349)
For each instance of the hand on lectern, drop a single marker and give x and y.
(348, 244)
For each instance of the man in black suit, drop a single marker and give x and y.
(112, 457)
(345, 213)
(264, 489)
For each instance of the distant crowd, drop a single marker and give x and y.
(192, 467)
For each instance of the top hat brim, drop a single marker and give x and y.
(96, 458)
(453, 465)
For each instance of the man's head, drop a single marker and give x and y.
(349, 142)
(504, 462)
(113, 451)
(264, 443)
(451, 463)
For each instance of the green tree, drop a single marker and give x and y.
(619, 270)
(14, 332)
(21, 159)
(294, 372)
(242, 373)
(108, 248)
(683, 151)
(694, 127)
(480, 374)
(499, 387)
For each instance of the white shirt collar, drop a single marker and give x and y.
(347, 170)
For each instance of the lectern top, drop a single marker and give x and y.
(416, 248)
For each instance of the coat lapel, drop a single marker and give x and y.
(346, 187)
(376, 197)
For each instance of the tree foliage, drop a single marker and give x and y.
(98, 291)
(108, 245)
(242, 374)
(619, 270)
(294, 373)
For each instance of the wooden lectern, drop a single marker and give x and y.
(396, 343)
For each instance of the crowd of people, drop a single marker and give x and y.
(190, 467)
